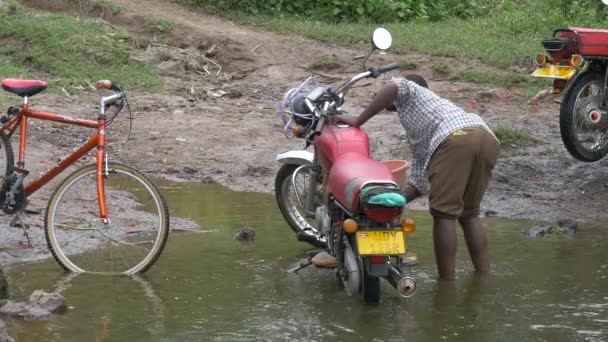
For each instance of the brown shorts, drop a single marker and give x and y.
(460, 170)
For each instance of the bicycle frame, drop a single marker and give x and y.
(97, 140)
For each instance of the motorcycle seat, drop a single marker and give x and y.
(351, 172)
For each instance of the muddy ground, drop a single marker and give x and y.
(213, 124)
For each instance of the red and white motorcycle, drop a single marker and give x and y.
(361, 225)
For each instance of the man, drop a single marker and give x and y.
(455, 151)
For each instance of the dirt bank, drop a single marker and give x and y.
(222, 126)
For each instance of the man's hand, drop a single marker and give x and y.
(410, 192)
(347, 119)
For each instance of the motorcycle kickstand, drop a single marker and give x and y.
(300, 267)
(17, 222)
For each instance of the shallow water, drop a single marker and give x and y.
(208, 287)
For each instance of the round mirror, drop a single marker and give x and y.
(382, 39)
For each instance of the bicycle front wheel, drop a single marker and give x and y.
(130, 242)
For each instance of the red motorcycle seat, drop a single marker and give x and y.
(23, 87)
(351, 172)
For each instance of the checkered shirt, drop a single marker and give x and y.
(428, 120)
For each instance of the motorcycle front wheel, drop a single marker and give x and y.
(285, 194)
(582, 140)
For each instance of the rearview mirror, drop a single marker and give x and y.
(382, 39)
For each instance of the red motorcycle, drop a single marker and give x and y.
(576, 60)
(359, 222)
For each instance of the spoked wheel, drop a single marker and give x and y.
(7, 158)
(132, 240)
(584, 128)
(349, 275)
(285, 194)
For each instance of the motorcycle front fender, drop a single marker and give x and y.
(299, 157)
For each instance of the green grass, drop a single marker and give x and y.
(511, 32)
(408, 65)
(512, 138)
(440, 68)
(160, 25)
(101, 5)
(512, 141)
(530, 85)
(326, 63)
(67, 51)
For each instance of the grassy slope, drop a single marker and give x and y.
(498, 39)
(67, 51)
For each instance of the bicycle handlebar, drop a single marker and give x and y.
(107, 84)
(114, 99)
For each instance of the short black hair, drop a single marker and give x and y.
(419, 80)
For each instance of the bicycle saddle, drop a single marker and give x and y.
(23, 87)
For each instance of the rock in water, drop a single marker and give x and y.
(569, 227)
(4, 337)
(245, 234)
(39, 305)
(52, 302)
(537, 231)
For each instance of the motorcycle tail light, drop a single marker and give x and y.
(408, 226)
(377, 259)
(541, 59)
(382, 215)
(577, 60)
(350, 226)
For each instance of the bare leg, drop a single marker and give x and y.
(444, 238)
(477, 243)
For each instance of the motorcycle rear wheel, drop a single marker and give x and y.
(294, 214)
(583, 144)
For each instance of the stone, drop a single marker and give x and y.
(487, 212)
(52, 302)
(145, 58)
(245, 234)
(4, 336)
(170, 68)
(23, 310)
(538, 231)
(188, 169)
(569, 227)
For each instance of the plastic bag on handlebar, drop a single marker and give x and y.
(292, 111)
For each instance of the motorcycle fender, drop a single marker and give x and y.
(376, 270)
(299, 157)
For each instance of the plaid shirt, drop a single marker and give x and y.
(428, 120)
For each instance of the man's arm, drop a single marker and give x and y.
(417, 180)
(385, 98)
(410, 192)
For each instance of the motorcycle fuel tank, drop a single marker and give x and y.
(336, 140)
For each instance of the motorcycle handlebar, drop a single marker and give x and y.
(389, 67)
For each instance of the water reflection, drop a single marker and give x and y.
(104, 308)
(208, 287)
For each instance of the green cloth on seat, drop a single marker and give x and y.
(387, 199)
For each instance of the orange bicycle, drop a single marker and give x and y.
(104, 217)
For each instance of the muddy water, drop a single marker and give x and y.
(208, 287)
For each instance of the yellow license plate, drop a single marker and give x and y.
(555, 71)
(391, 242)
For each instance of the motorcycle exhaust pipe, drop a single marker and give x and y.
(405, 286)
